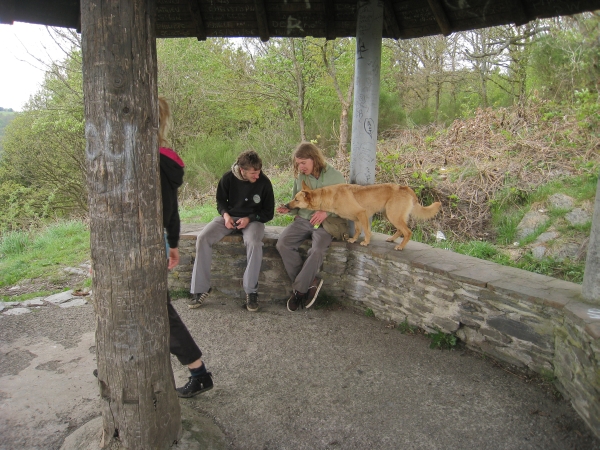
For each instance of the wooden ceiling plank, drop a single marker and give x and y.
(261, 20)
(390, 20)
(7, 12)
(329, 20)
(196, 16)
(520, 11)
(441, 17)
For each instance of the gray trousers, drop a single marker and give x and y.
(213, 233)
(302, 273)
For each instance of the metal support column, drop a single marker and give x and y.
(366, 91)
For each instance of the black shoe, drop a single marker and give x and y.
(296, 301)
(313, 291)
(197, 299)
(196, 386)
(252, 302)
(95, 372)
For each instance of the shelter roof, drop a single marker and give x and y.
(403, 19)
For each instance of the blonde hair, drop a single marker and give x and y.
(308, 150)
(164, 121)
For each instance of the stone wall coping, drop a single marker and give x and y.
(515, 283)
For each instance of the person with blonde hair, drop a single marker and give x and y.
(181, 342)
(311, 168)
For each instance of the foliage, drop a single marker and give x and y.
(406, 328)
(442, 341)
(369, 312)
(43, 252)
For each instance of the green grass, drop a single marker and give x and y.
(43, 254)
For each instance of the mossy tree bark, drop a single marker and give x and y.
(591, 278)
(140, 406)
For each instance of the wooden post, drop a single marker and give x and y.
(591, 278)
(140, 406)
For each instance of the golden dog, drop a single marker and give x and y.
(358, 203)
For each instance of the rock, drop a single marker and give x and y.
(17, 311)
(7, 304)
(76, 302)
(538, 252)
(569, 250)
(75, 271)
(529, 223)
(2, 306)
(561, 201)
(38, 301)
(578, 217)
(548, 236)
(60, 297)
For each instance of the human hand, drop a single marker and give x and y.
(318, 217)
(229, 223)
(242, 223)
(173, 257)
(282, 209)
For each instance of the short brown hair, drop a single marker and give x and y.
(308, 150)
(249, 160)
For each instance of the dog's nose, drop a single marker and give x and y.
(287, 205)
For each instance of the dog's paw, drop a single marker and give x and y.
(364, 243)
(352, 240)
(390, 239)
(398, 247)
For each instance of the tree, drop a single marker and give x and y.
(140, 407)
(338, 54)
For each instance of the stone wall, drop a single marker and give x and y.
(522, 318)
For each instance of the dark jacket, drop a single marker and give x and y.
(171, 177)
(240, 198)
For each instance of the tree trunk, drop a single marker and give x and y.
(590, 288)
(140, 406)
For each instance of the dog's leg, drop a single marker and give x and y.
(357, 230)
(364, 220)
(403, 229)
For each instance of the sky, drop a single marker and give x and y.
(20, 74)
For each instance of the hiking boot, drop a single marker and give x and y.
(197, 299)
(312, 293)
(296, 301)
(196, 386)
(252, 302)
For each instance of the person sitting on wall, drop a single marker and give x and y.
(311, 168)
(245, 202)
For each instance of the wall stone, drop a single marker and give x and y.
(522, 318)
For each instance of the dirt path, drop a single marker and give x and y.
(317, 379)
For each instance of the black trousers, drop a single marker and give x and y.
(181, 342)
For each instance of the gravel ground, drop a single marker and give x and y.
(316, 379)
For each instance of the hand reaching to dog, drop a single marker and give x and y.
(282, 209)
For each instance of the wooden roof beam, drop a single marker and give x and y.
(390, 20)
(522, 17)
(261, 20)
(196, 15)
(329, 20)
(7, 12)
(440, 16)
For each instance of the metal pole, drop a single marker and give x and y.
(369, 28)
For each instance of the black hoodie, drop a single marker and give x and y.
(171, 177)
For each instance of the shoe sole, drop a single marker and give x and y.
(194, 394)
(314, 299)
(252, 309)
(288, 307)
(195, 306)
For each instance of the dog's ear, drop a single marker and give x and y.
(305, 187)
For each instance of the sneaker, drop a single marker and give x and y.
(197, 299)
(196, 386)
(312, 293)
(252, 302)
(296, 301)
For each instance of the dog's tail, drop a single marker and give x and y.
(425, 212)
